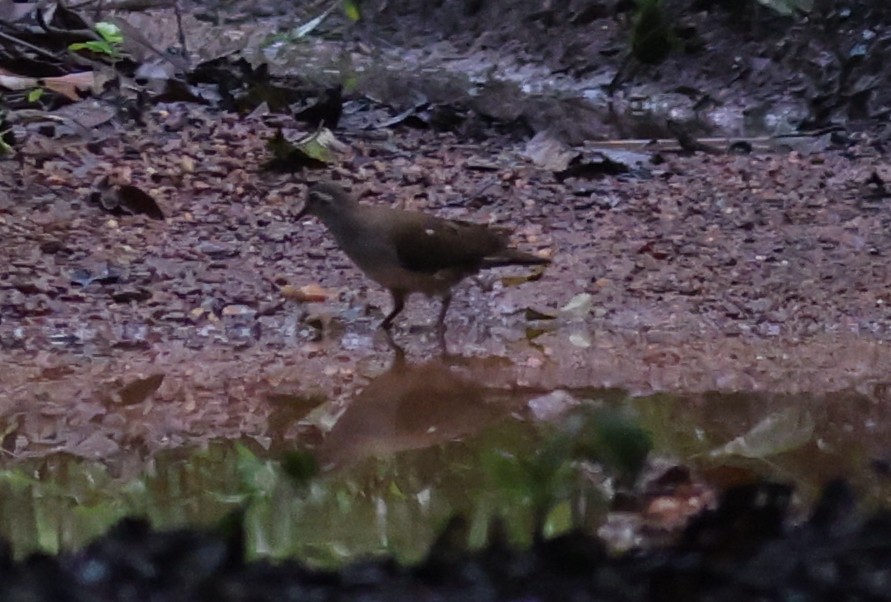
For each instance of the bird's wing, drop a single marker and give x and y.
(437, 244)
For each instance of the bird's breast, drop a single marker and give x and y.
(429, 283)
(366, 237)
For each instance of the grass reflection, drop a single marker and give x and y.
(396, 499)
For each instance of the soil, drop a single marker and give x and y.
(710, 273)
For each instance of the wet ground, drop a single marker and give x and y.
(736, 305)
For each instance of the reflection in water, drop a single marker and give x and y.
(415, 406)
(410, 451)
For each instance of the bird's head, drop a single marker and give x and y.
(325, 200)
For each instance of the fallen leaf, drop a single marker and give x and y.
(579, 306)
(781, 431)
(310, 293)
(138, 390)
(547, 152)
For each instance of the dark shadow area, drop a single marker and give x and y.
(745, 549)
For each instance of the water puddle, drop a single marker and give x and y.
(422, 441)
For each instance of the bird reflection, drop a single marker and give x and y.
(415, 406)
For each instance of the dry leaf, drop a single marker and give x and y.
(311, 293)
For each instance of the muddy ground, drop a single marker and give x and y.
(726, 273)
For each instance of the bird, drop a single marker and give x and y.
(408, 251)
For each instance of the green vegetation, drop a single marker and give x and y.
(531, 480)
(109, 42)
(651, 37)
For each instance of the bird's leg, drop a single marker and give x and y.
(440, 323)
(399, 352)
(398, 304)
(443, 348)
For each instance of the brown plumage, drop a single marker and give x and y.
(407, 251)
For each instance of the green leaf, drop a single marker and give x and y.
(35, 94)
(559, 519)
(351, 10)
(300, 466)
(18, 480)
(395, 491)
(508, 473)
(110, 32)
(258, 477)
(108, 45)
(318, 146)
(615, 440)
(310, 25)
(98, 46)
(782, 431)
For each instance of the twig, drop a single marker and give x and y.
(28, 45)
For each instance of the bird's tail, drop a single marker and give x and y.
(513, 257)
